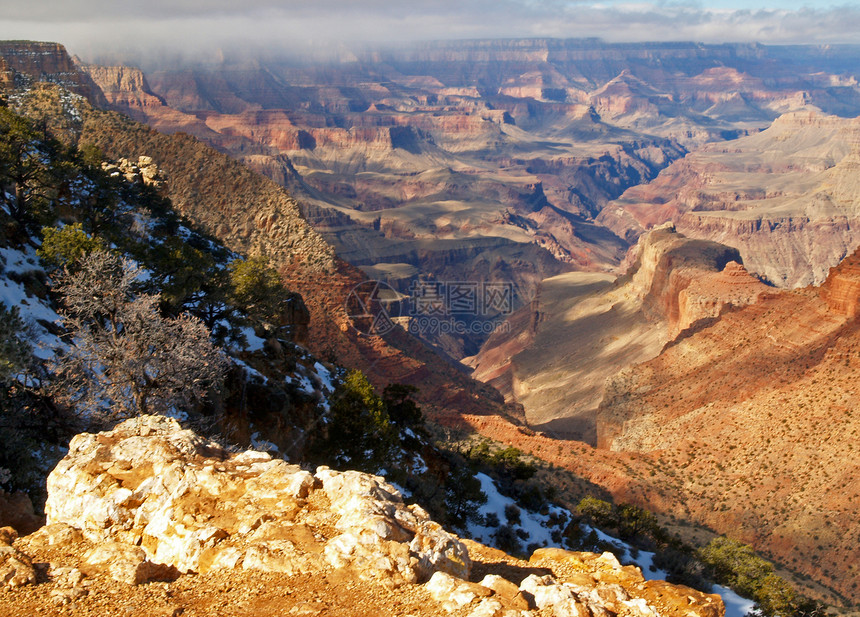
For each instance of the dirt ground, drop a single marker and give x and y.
(335, 593)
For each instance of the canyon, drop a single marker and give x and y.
(518, 160)
(584, 327)
(786, 197)
(672, 218)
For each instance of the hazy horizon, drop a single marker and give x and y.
(94, 28)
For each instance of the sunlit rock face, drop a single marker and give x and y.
(192, 505)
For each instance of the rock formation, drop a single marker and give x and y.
(786, 198)
(583, 328)
(144, 170)
(23, 63)
(764, 396)
(149, 502)
(189, 504)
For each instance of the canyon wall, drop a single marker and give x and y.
(787, 198)
(582, 328)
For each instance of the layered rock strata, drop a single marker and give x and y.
(583, 328)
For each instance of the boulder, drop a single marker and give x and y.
(125, 564)
(375, 522)
(55, 533)
(7, 536)
(16, 568)
(548, 593)
(453, 593)
(16, 510)
(600, 585)
(176, 499)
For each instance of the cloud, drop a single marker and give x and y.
(92, 27)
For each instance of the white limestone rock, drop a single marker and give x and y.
(125, 564)
(185, 502)
(376, 524)
(548, 593)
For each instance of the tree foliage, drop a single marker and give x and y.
(401, 408)
(257, 288)
(25, 416)
(506, 462)
(16, 352)
(736, 565)
(37, 172)
(463, 495)
(599, 511)
(63, 247)
(359, 430)
(127, 358)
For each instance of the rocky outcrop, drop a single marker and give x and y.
(581, 585)
(148, 501)
(841, 290)
(602, 585)
(666, 264)
(122, 85)
(707, 297)
(23, 63)
(16, 569)
(144, 170)
(763, 395)
(189, 504)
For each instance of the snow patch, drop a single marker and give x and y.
(535, 526)
(536, 529)
(736, 606)
(263, 445)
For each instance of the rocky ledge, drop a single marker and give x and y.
(149, 502)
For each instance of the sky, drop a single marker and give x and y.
(92, 27)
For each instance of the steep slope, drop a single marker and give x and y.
(786, 198)
(252, 215)
(583, 328)
(754, 418)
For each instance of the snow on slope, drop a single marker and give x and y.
(35, 312)
(537, 529)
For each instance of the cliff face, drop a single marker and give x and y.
(787, 197)
(764, 395)
(554, 356)
(743, 422)
(841, 290)
(122, 85)
(23, 63)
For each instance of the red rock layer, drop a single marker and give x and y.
(842, 289)
(32, 61)
(753, 419)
